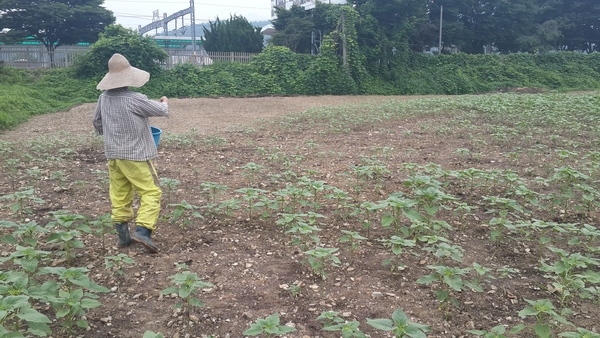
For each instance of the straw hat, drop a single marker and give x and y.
(122, 74)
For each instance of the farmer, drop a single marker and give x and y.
(121, 115)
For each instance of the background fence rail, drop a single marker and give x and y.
(36, 56)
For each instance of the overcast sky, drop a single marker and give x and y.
(131, 13)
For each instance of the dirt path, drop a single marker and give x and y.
(204, 114)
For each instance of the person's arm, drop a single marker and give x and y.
(150, 108)
(97, 121)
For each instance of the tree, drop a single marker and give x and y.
(233, 35)
(54, 22)
(388, 29)
(477, 26)
(577, 21)
(141, 52)
(543, 40)
(293, 29)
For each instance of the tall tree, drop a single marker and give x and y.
(544, 39)
(389, 28)
(293, 29)
(233, 35)
(476, 26)
(578, 21)
(54, 22)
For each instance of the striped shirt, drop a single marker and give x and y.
(121, 115)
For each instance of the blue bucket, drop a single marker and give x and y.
(156, 134)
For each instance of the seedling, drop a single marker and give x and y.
(252, 197)
(543, 311)
(566, 178)
(442, 251)
(431, 200)
(367, 209)
(151, 334)
(342, 200)
(11, 168)
(187, 284)
(400, 325)
(564, 273)
(498, 331)
(22, 200)
(371, 170)
(580, 333)
(347, 329)
(170, 185)
(61, 179)
(72, 301)
(330, 318)
(504, 207)
(65, 221)
(35, 174)
(399, 206)
(294, 197)
(68, 241)
(18, 316)
(463, 210)
(116, 264)
(397, 244)
(449, 279)
(228, 206)
(72, 306)
(103, 225)
(184, 211)
(251, 170)
(320, 259)
(211, 190)
(353, 239)
(294, 290)
(316, 188)
(25, 234)
(102, 177)
(269, 326)
(28, 258)
(305, 229)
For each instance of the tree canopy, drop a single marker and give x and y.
(141, 52)
(54, 22)
(233, 35)
(472, 26)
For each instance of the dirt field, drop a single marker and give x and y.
(255, 267)
(207, 115)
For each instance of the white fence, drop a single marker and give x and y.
(36, 56)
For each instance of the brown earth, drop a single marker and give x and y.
(250, 260)
(207, 115)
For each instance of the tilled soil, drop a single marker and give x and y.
(255, 268)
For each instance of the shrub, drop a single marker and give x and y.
(142, 52)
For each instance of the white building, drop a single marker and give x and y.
(307, 4)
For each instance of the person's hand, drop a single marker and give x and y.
(164, 99)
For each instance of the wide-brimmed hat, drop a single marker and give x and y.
(122, 74)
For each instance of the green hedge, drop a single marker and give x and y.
(278, 71)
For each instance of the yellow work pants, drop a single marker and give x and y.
(125, 178)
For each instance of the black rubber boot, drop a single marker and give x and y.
(142, 235)
(124, 237)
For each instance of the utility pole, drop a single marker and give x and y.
(344, 47)
(193, 25)
(440, 42)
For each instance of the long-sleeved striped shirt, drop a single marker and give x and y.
(121, 115)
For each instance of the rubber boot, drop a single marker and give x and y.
(142, 235)
(123, 232)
